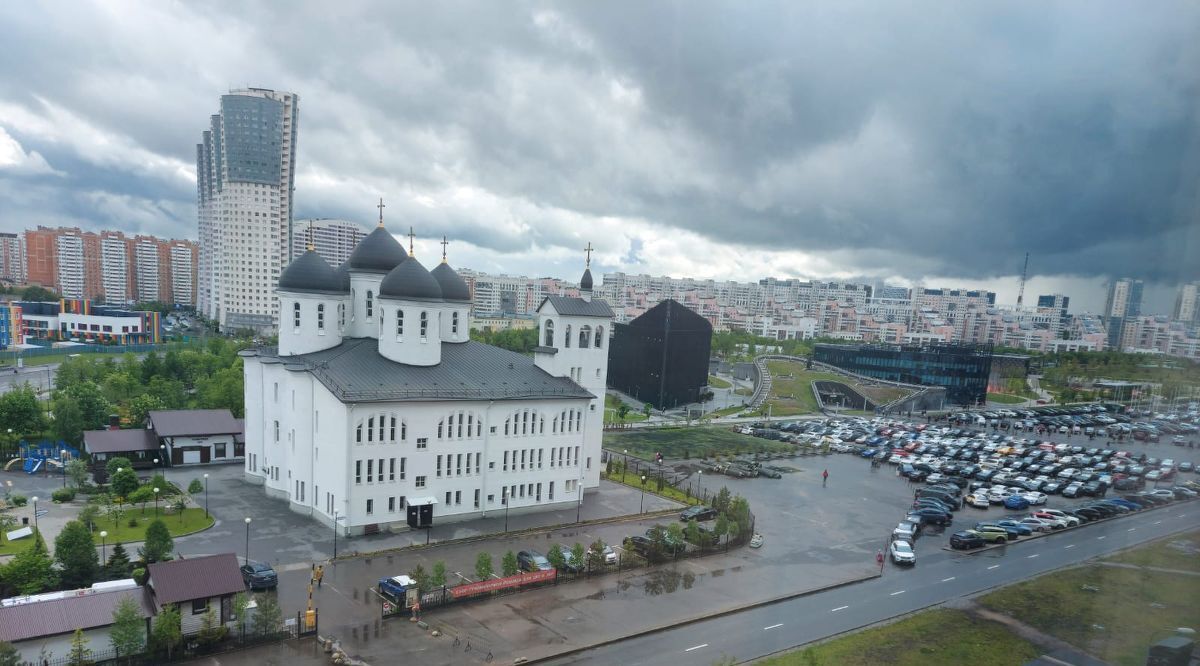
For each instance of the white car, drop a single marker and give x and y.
(1072, 521)
(1034, 497)
(996, 495)
(978, 500)
(902, 552)
(1037, 524)
(756, 541)
(1056, 522)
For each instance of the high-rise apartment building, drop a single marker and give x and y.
(245, 168)
(12, 258)
(1124, 301)
(1187, 303)
(111, 266)
(334, 240)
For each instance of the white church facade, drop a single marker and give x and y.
(376, 399)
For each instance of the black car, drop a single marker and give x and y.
(698, 513)
(531, 560)
(965, 540)
(641, 544)
(930, 516)
(670, 544)
(259, 576)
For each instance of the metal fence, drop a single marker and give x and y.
(8, 356)
(188, 650)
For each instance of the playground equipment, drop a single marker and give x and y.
(44, 455)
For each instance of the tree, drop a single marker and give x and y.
(79, 407)
(622, 411)
(151, 367)
(675, 533)
(9, 656)
(89, 515)
(76, 553)
(240, 602)
(595, 554)
(21, 411)
(722, 526)
(166, 633)
(118, 565)
(721, 500)
(124, 483)
(31, 571)
(141, 406)
(268, 619)
(223, 389)
(127, 634)
(555, 557)
(739, 511)
(196, 487)
(142, 495)
(77, 472)
(483, 566)
(508, 565)
(159, 543)
(79, 655)
(438, 579)
(36, 293)
(647, 408)
(116, 463)
(692, 533)
(421, 578)
(734, 530)
(211, 629)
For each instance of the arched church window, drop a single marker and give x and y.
(353, 299)
(454, 323)
(399, 322)
(599, 337)
(320, 316)
(371, 429)
(585, 336)
(358, 434)
(424, 324)
(296, 314)
(341, 315)
(370, 303)
(567, 337)
(549, 333)
(392, 431)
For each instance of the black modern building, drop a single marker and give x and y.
(962, 369)
(662, 356)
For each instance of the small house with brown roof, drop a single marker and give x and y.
(195, 585)
(198, 436)
(42, 626)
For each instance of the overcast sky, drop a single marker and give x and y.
(929, 143)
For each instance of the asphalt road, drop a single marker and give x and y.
(940, 576)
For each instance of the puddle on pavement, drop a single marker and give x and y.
(717, 573)
(597, 596)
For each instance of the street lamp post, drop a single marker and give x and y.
(504, 501)
(335, 534)
(642, 505)
(206, 495)
(247, 540)
(163, 456)
(62, 459)
(103, 546)
(579, 504)
(156, 501)
(34, 499)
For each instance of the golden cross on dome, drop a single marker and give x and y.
(381, 206)
(410, 241)
(444, 244)
(588, 249)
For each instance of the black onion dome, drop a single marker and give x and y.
(453, 286)
(310, 273)
(410, 281)
(343, 272)
(377, 253)
(585, 282)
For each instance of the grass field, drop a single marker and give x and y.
(1005, 398)
(629, 478)
(1178, 552)
(193, 520)
(717, 382)
(687, 442)
(13, 547)
(791, 388)
(611, 403)
(1118, 614)
(931, 638)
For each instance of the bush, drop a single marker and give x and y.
(139, 575)
(196, 486)
(63, 495)
(18, 500)
(133, 521)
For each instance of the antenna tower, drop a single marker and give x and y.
(1024, 276)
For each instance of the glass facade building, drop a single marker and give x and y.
(961, 369)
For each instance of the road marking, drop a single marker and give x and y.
(774, 626)
(838, 609)
(947, 580)
(994, 566)
(1070, 546)
(1100, 538)
(1032, 556)
(1157, 522)
(895, 593)
(1181, 515)
(696, 647)
(1131, 529)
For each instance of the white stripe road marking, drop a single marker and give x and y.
(696, 647)
(947, 580)
(1030, 557)
(1181, 515)
(1101, 538)
(838, 609)
(1157, 522)
(774, 626)
(994, 566)
(1070, 546)
(1131, 529)
(895, 593)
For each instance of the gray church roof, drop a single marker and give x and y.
(577, 307)
(410, 281)
(354, 371)
(310, 273)
(453, 287)
(377, 253)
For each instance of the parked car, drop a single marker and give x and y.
(1016, 502)
(641, 545)
(1022, 530)
(609, 555)
(930, 516)
(978, 500)
(569, 562)
(259, 576)
(965, 539)
(993, 533)
(1037, 524)
(902, 552)
(907, 530)
(1034, 497)
(531, 560)
(698, 513)
(756, 541)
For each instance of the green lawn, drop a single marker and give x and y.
(930, 638)
(611, 403)
(1181, 551)
(717, 382)
(13, 547)
(668, 491)
(1005, 398)
(193, 520)
(791, 388)
(687, 442)
(1119, 614)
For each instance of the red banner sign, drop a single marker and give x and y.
(472, 589)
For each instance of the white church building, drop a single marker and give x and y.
(376, 399)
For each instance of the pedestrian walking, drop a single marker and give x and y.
(319, 574)
(824, 478)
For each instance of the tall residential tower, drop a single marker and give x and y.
(1124, 302)
(245, 174)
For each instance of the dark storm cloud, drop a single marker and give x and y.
(942, 139)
